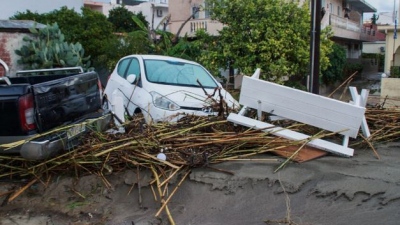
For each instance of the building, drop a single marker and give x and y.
(10, 8)
(346, 19)
(392, 47)
(155, 11)
(344, 16)
(12, 33)
(189, 16)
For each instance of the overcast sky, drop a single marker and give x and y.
(384, 9)
(383, 5)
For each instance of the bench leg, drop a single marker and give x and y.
(361, 100)
(345, 141)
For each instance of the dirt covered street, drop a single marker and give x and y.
(330, 190)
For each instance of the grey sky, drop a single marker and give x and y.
(384, 9)
(383, 5)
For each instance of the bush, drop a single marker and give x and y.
(395, 71)
(351, 68)
(337, 60)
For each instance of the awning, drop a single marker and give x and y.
(362, 6)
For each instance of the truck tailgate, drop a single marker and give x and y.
(65, 100)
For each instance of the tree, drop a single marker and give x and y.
(121, 18)
(90, 28)
(68, 20)
(337, 59)
(269, 34)
(96, 32)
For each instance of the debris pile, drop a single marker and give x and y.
(191, 142)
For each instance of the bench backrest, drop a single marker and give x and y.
(319, 111)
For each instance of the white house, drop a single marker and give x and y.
(155, 11)
(376, 47)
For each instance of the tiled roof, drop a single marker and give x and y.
(19, 24)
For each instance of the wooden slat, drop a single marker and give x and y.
(315, 110)
(291, 135)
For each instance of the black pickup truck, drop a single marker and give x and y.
(43, 115)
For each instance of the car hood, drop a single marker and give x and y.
(195, 97)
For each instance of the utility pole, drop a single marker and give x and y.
(394, 39)
(315, 46)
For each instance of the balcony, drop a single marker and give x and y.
(344, 23)
(368, 34)
(159, 3)
(212, 27)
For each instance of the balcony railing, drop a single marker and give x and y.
(198, 25)
(344, 23)
(212, 27)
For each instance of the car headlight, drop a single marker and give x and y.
(163, 102)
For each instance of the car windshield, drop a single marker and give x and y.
(178, 73)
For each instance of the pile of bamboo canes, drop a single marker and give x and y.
(191, 142)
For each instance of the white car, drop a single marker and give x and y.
(163, 87)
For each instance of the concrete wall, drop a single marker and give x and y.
(392, 46)
(40, 6)
(373, 47)
(390, 88)
(9, 42)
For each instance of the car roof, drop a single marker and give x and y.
(161, 57)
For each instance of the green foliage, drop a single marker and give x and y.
(395, 72)
(123, 45)
(269, 34)
(379, 57)
(91, 29)
(96, 32)
(337, 59)
(127, 43)
(351, 68)
(121, 18)
(29, 15)
(68, 20)
(48, 49)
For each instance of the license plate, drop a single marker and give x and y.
(76, 130)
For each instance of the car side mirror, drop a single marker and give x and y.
(131, 78)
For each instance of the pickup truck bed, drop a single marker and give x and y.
(32, 105)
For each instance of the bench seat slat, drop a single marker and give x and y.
(297, 105)
(291, 135)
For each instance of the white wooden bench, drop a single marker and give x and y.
(318, 111)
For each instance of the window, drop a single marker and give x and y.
(134, 68)
(195, 12)
(330, 8)
(207, 10)
(122, 67)
(338, 10)
(128, 66)
(159, 13)
(178, 73)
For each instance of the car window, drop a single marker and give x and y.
(122, 66)
(133, 68)
(178, 73)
